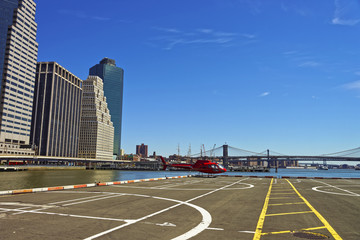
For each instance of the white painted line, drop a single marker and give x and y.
(203, 195)
(335, 193)
(203, 225)
(65, 215)
(252, 232)
(77, 192)
(247, 186)
(206, 217)
(94, 198)
(170, 185)
(166, 224)
(9, 210)
(73, 200)
(198, 229)
(215, 229)
(344, 190)
(24, 204)
(91, 200)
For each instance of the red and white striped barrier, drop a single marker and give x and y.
(46, 189)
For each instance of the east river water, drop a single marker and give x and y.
(51, 178)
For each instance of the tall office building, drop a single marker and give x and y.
(18, 56)
(96, 128)
(55, 123)
(113, 78)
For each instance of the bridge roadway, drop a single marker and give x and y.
(197, 208)
(296, 158)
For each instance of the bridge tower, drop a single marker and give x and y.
(225, 155)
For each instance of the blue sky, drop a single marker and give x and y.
(280, 75)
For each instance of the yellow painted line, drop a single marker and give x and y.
(321, 218)
(314, 228)
(281, 232)
(290, 213)
(303, 229)
(282, 190)
(280, 198)
(284, 193)
(279, 204)
(260, 223)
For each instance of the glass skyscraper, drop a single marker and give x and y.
(18, 57)
(113, 78)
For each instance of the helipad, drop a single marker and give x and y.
(184, 208)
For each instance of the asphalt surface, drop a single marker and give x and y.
(196, 208)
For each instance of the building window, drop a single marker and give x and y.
(43, 67)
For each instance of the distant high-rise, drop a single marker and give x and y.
(56, 113)
(18, 56)
(113, 78)
(96, 128)
(142, 150)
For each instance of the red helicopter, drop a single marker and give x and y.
(204, 166)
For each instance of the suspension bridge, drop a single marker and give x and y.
(225, 153)
(232, 154)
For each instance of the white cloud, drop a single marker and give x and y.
(206, 30)
(78, 14)
(225, 34)
(249, 36)
(348, 22)
(353, 85)
(81, 14)
(309, 64)
(290, 52)
(101, 18)
(181, 41)
(264, 94)
(168, 30)
(173, 43)
(347, 12)
(291, 6)
(175, 37)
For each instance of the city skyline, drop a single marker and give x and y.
(257, 75)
